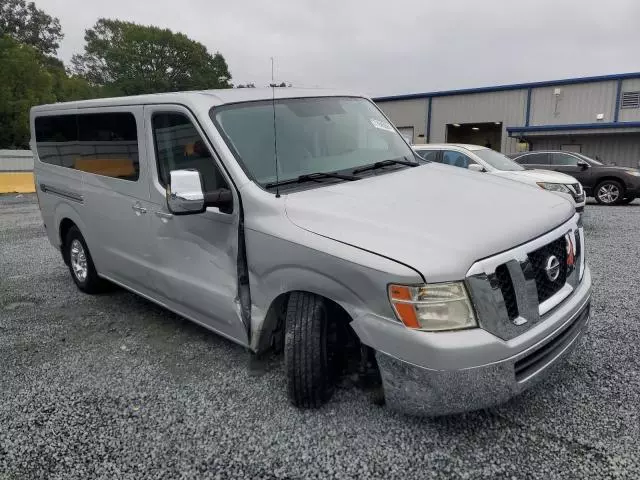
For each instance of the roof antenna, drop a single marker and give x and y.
(275, 134)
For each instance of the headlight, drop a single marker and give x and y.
(635, 173)
(433, 307)
(554, 187)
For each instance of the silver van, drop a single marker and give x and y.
(303, 219)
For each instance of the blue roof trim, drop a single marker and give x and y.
(515, 86)
(576, 126)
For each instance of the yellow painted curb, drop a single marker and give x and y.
(16, 182)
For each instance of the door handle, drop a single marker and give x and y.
(138, 209)
(164, 215)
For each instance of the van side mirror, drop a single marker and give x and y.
(474, 167)
(582, 164)
(185, 194)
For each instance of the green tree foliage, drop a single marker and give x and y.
(130, 59)
(26, 24)
(28, 79)
(24, 83)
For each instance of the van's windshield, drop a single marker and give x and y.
(314, 135)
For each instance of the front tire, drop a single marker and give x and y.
(81, 266)
(609, 192)
(308, 351)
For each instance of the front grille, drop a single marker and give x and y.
(512, 292)
(508, 292)
(539, 258)
(537, 360)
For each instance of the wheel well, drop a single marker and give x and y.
(272, 331)
(65, 226)
(616, 179)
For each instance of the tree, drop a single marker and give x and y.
(25, 82)
(26, 24)
(130, 59)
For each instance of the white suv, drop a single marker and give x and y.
(482, 159)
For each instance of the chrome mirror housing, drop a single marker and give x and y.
(185, 193)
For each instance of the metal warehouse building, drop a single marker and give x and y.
(598, 116)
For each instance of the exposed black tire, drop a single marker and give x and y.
(89, 282)
(308, 358)
(609, 192)
(627, 200)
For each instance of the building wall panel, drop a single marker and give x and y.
(630, 114)
(507, 107)
(408, 113)
(580, 103)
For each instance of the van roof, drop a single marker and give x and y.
(212, 97)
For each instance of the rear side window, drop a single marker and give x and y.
(431, 155)
(57, 139)
(100, 143)
(179, 146)
(533, 159)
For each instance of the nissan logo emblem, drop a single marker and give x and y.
(552, 268)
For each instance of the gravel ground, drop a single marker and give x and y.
(112, 386)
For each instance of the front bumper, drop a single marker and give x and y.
(451, 372)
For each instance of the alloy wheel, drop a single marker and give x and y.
(608, 193)
(78, 260)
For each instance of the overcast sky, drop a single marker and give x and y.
(390, 47)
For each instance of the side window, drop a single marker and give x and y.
(179, 146)
(431, 155)
(534, 159)
(456, 159)
(108, 145)
(57, 139)
(563, 159)
(101, 143)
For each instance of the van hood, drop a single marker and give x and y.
(533, 176)
(436, 219)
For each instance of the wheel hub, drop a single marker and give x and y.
(78, 260)
(608, 193)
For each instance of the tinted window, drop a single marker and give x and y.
(431, 155)
(456, 159)
(179, 146)
(100, 143)
(563, 159)
(57, 139)
(534, 159)
(108, 145)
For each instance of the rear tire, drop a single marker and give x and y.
(81, 266)
(308, 355)
(627, 200)
(609, 192)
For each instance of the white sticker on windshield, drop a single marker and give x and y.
(381, 124)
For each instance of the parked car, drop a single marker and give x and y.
(482, 159)
(609, 184)
(462, 291)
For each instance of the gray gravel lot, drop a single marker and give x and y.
(112, 386)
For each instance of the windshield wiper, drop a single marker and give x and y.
(312, 177)
(386, 163)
